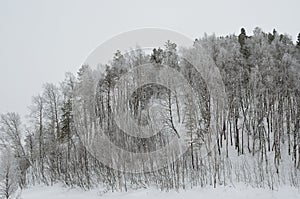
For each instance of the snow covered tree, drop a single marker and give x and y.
(11, 135)
(171, 57)
(37, 119)
(11, 132)
(9, 174)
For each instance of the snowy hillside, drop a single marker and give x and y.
(230, 192)
(224, 111)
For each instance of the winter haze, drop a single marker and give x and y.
(41, 40)
(149, 99)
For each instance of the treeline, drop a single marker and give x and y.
(257, 137)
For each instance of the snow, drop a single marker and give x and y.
(229, 192)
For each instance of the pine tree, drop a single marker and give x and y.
(66, 121)
(242, 37)
(157, 56)
(170, 55)
(242, 40)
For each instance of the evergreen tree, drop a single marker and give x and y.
(66, 121)
(242, 40)
(298, 42)
(242, 37)
(170, 55)
(157, 56)
(272, 36)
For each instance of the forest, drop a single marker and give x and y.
(255, 139)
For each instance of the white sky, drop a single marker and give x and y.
(41, 40)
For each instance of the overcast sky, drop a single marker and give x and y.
(41, 40)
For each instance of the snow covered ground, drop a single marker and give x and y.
(229, 192)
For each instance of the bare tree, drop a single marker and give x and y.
(9, 174)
